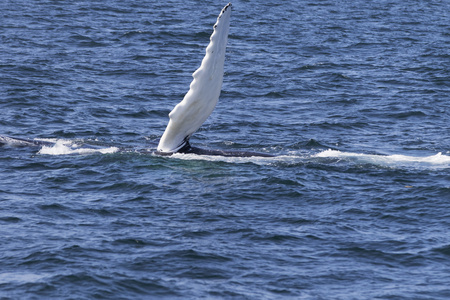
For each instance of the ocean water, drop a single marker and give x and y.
(352, 97)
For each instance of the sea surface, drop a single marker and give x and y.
(353, 98)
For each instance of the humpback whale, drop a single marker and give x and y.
(197, 105)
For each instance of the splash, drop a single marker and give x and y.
(64, 147)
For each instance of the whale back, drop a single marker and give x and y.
(201, 99)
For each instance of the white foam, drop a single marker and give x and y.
(64, 147)
(437, 160)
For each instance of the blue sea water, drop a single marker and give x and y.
(352, 97)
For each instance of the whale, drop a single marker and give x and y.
(201, 99)
(197, 105)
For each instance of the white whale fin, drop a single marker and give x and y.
(204, 92)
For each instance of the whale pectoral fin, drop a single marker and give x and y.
(201, 99)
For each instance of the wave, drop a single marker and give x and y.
(396, 160)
